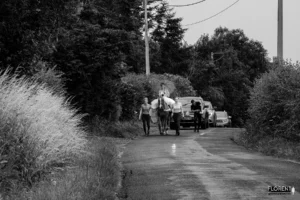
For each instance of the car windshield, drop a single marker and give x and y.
(208, 105)
(221, 114)
(186, 103)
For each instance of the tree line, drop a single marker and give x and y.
(92, 44)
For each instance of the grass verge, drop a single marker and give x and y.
(278, 147)
(105, 128)
(96, 176)
(45, 151)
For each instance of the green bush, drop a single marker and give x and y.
(275, 104)
(137, 86)
(147, 85)
(183, 86)
(131, 96)
(38, 130)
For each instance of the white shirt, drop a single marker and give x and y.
(177, 107)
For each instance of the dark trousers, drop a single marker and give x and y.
(197, 121)
(177, 119)
(169, 120)
(146, 123)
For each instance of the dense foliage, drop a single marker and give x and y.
(31, 29)
(138, 86)
(95, 43)
(92, 43)
(169, 54)
(226, 78)
(275, 104)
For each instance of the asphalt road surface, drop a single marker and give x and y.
(205, 165)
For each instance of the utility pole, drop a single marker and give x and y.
(146, 40)
(280, 31)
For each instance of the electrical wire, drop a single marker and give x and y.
(213, 15)
(191, 4)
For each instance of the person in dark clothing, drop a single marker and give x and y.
(206, 118)
(193, 105)
(197, 117)
(145, 115)
(193, 108)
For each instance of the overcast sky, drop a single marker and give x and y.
(257, 18)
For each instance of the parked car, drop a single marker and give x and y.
(223, 119)
(212, 119)
(188, 117)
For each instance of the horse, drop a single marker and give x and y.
(162, 116)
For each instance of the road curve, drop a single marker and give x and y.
(205, 165)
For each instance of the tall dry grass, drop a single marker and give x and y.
(93, 177)
(38, 130)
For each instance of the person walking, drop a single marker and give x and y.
(193, 108)
(145, 115)
(197, 116)
(177, 113)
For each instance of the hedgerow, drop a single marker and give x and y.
(275, 104)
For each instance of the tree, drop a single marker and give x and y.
(30, 29)
(225, 80)
(170, 54)
(96, 54)
(92, 42)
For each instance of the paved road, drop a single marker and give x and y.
(205, 165)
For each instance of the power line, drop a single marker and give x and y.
(213, 15)
(191, 4)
